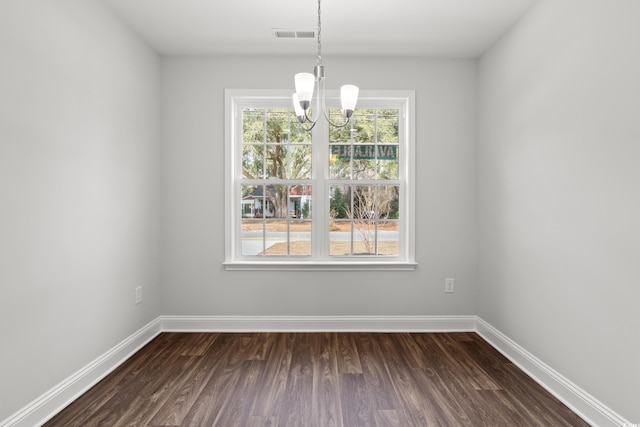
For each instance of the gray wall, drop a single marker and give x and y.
(193, 279)
(79, 190)
(559, 192)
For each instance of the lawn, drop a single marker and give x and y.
(337, 247)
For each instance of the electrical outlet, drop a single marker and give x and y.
(138, 295)
(449, 285)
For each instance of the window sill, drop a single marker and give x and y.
(319, 266)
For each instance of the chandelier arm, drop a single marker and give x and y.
(308, 119)
(336, 125)
(311, 126)
(325, 111)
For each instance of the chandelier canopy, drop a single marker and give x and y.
(305, 84)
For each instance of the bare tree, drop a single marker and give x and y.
(369, 205)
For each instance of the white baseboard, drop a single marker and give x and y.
(50, 403)
(46, 406)
(579, 401)
(318, 323)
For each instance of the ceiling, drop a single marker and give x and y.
(441, 28)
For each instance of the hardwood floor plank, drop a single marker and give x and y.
(326, 409)
(198, 344)
(262, 422)
(376, 375)
(357, 410)
(238, 403)
(466, 367)
(225, 374)
(296, 408)
(499, 409)
(347, 355)
(319, 380)
(272, 387)
(451, 394)
(135, 410)
(406, 381)
(183, 398)
(389, 418)
(438, 405)
(262, 346)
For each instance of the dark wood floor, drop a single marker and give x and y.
(317, 379)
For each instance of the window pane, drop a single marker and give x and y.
(253, 125)
(339, 134)
(363, 202)
(252, 161)
(276, 161)
(339, 202)
(252, 201)
(341, 225)
(252, 237)
(298, 134)
(278, 126)
(364, 161)
(364, 237)
(364, 126)
(388, 126)
(300, 202)
(340, 238)
(276, 220)
(388, 202)
(364, 169)
(340, 161)
(299, 162)
(276, 237)
(364, 220)
(387, 169)
(300, 242)
(288, 161)
(276, 198)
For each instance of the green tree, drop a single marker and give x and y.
(306, 210)
(338, 205)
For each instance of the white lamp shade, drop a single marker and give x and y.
(349, 97)
(305, 83)
(296, 105)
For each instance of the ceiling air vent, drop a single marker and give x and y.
(280, 33)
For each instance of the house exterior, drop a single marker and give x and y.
(260, 204)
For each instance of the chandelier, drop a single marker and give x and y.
(305, 83)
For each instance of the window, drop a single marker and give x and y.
(333, 198)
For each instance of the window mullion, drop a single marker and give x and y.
(320, 174)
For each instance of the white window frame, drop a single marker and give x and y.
(235, 101)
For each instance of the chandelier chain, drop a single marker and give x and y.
(319, 36)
